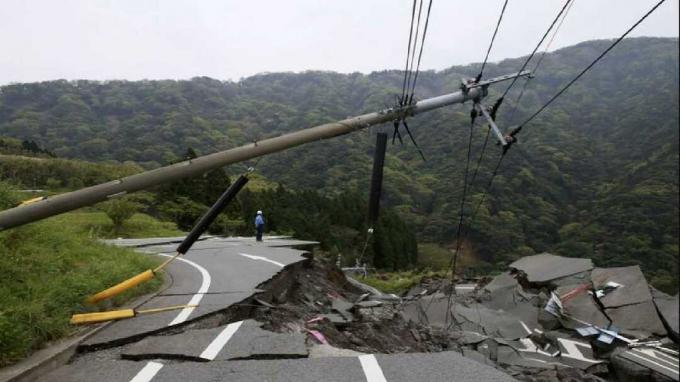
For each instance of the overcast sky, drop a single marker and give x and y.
(225, 39)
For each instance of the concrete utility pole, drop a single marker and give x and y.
(13, 217)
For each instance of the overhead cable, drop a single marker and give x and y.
(498, 24)
(413, 51)
(538, 64)
(454, 259)
(559, 93)
(408, 53)
(526, 62)
(420, 55)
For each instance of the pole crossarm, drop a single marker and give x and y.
(69, 201)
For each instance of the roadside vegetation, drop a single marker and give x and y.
(48, 268)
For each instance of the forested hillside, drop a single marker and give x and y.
(596, 175)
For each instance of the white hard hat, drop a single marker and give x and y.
(259, 212)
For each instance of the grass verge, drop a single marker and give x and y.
(398, 282)
(97, 224)
(48, 268)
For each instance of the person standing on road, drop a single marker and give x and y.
(259, 225)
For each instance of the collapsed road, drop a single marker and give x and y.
(265, 312)
(549, 314)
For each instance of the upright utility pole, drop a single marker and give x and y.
(470, 91)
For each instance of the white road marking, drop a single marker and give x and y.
(650, 354)
(218, 343)
(148, 372)
(525, 327)
(372, 369)
(196, 298)
(571, 350)
(262, 258)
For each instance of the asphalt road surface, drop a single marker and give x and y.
(216, 274)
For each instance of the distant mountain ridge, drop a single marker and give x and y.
(596, 175)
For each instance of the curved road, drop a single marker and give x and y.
(215, 274)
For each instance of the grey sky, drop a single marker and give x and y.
(225, 39)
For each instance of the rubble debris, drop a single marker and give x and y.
(554, 318)
(667, 306)
(645, 364)
(315, 312)
(633, 286)
(546, 267)
(318, 336)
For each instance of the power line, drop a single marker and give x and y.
(536, 48)
(590, 65)
(538, 64)
(408, 52)
(413, 51)
(420, 55)
(481, 156)
(454, 258)
(498, 24)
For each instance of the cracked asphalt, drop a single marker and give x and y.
(216, 274)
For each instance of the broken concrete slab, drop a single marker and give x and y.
(645, 364)
(478, 357)
(637, 320)
(546, 267)
(336, 319)
(248, 342)
(668, 308)
(511, 357)
(343, 307)
(634, 288)
(368, 304)
(503, 281)
(582, 307)
(479, 318)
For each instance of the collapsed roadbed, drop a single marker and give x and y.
(547, 318)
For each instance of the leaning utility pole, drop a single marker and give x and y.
(470, 91)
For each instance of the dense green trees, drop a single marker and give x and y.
(595, 175)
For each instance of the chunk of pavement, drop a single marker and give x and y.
(369, 304)
(343, 306)
(637, 320)
(249, 342)
(511, 357)
(325, 350)
(576, 278)
(187, 345)
(467, 337)
(645, 364)
(582, 307)
(546, 267)
(503, 281)
(336, 319)
(548, 321)
(477, 356)
(667, 307)
(515, 301)
(479, 318)
(428, 310)
(634, 288)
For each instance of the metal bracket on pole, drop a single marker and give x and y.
(483, 109)
(467, 85)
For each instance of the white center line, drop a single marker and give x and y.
(525, 327)
(262, 259)
(218, 343)
(148, 372)
(196, 298)
(372, 370)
